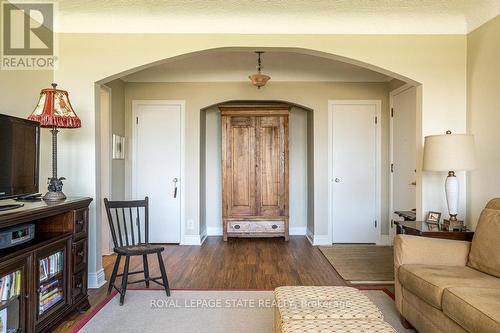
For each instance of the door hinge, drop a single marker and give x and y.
(375, 223)
(392, 167)
(376, 120)
(136, 120)
(392, 112)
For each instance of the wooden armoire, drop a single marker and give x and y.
(255, 171)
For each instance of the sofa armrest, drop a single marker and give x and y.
(429, 251)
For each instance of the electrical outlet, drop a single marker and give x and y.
(190, 224)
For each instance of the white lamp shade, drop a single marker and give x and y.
(449, 152)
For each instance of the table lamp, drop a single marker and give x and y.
(450, 152)
(55, 111)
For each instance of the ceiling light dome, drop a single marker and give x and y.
(258, 79)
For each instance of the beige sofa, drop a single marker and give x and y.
(451, 286)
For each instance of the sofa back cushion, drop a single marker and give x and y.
(485, 248)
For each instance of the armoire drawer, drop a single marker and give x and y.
(255, 226)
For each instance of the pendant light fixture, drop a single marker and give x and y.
(258, 79)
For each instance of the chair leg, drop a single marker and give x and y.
(113, 274)
(146, 269)
(163, 273)
(124, 280)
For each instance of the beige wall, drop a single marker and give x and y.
(117, 127)
(20, 91)
(483, 81)
(438, 62)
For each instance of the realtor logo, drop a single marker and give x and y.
(27, 35)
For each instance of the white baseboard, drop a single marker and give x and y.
(214, 231)
(385, 240)
(297, 231)
(192, 240)
(317, 240)
(96, 279)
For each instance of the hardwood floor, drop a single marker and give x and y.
(237, 264)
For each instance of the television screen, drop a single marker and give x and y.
(19, 156)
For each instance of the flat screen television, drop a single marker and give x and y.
(19, 156)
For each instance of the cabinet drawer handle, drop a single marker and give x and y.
(80, 254)
(274, 226)
(237, 226)
(80, 222)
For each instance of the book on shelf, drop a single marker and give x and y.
(10, 286)
(51, 265)
(50, 301)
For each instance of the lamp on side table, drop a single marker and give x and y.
(450, 152)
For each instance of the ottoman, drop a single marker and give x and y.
(340, 325)
(324, 306)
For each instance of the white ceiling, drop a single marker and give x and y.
(276, 16)
(219, 66)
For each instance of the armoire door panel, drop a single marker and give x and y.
(239, 173)
(270, 171)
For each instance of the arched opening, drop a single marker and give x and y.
(301, 171)
(202, 79)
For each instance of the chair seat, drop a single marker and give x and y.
(139, 249)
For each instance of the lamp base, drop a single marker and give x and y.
(54, 196)
(55, 192)
(453, 225)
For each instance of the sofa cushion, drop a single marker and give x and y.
(485, 250)
(429, 281)
(475, 309)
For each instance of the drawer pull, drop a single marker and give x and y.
(274, 226)
(80, 222)
(237, 226)
(80, 254)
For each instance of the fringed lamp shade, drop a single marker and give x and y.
(55, 110)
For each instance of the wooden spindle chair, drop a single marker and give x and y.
(130, 238)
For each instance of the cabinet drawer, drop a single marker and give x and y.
(256, 227)
(79, 255)
(81, 220)
(78, 285)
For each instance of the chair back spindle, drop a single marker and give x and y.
(124, 218)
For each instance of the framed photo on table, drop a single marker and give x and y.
(433, 220)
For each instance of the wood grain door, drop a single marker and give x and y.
(272, 166)
(238, 158)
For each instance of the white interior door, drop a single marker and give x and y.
(354, 170)
(157, 167)
(404, 150)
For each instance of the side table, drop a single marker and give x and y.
(419, 228)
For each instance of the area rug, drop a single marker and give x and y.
(362, 264)
(200, 311)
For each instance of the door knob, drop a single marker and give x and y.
(337, 180)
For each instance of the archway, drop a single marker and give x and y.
(319, 135)
(301, 156)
